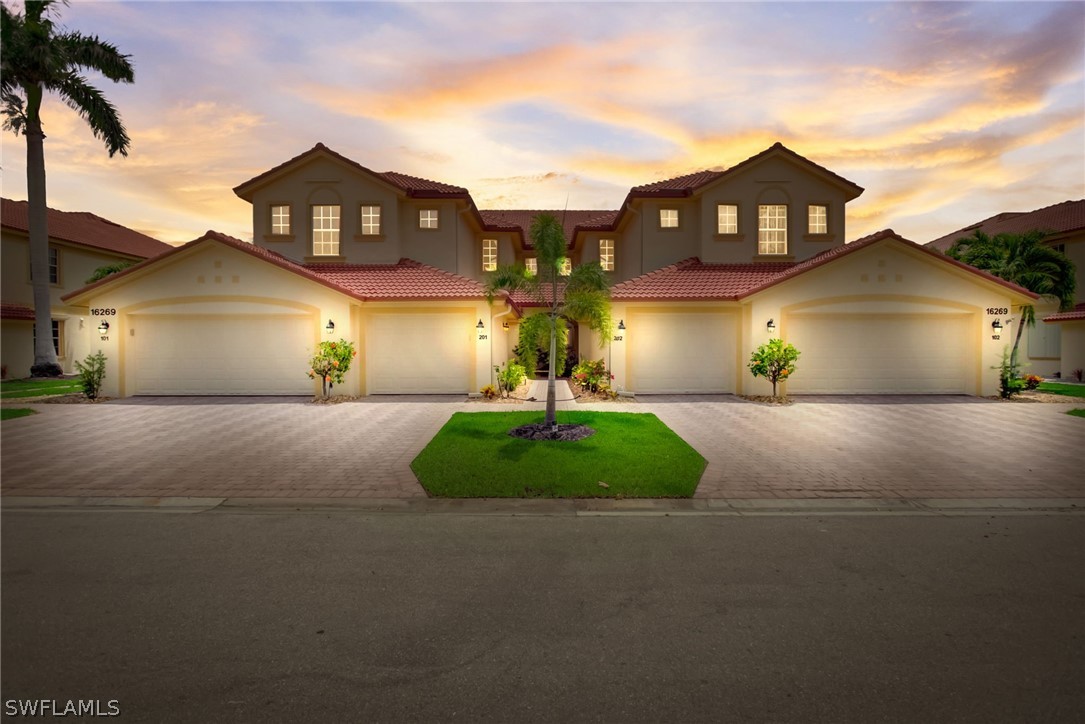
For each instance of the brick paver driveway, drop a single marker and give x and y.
(884, 447)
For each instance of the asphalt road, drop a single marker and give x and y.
(348, 617)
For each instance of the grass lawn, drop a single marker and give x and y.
(38, 388)
(1059, 388)
(1076, 412)
(635, 454)
(10, 413)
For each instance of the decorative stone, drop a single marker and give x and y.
(542, 431)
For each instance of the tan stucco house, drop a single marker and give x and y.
(706, 267)
(79, 243)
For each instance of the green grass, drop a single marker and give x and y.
(1060, 388)
(1076, 412)
(38, 388)
(10, 413)
(635, 454)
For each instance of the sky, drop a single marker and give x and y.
(946, 113)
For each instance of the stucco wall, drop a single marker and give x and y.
(1073, 347)
(16, 348)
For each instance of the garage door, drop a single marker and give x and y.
(213, 355)
(681, 352)
(887, 354)
(419, 353)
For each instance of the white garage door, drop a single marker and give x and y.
(209, 355)
(681, 352)
(419, 353)
(853, 354)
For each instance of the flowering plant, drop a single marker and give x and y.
(331, 363)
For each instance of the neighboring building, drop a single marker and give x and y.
(1044, 346)
(79, 243)
(706, 267)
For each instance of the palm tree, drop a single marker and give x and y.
(36, 56)
(583, 295)
(1024, 260)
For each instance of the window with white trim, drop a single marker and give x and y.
(772, 229)
(54, 265)
(427, 218)
(532, 265)
(818, 216)
(280, 219)
(668, 218)
(326, 230)
(606, 254)
(371, 220)
(56, 336)
(566, 267)
(727, 219)
(489, 254)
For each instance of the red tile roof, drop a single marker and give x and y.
(572, 221)
(406, 279)
(11, 310)
(693, 280)
(413, 183)
(86, 229)
(1062, 218)
(1075, 314)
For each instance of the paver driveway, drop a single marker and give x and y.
(948, 447)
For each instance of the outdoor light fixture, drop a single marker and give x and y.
(771, 326)
(480, 325)
(997, 326)
(505, 326)
(103, 328)
(330, 327)
(621, 324)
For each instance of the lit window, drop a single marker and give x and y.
(489, 254)
(606, 254)
(280, 219)
(772, 229)
(819, 219)
(668, 218)
(371, 220)
(532, 265)
(427, 218)
(728, 219)
(325, 231)
(566, 267)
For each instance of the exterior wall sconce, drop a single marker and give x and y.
(103, 328)
(621, 324)
(330, 326)
(996, 326)
(771, 326)
(505, 326)
(480, 325)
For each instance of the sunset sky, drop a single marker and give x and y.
(946, 113)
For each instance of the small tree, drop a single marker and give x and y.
(774, 360)
(330, 363)
(91, 373)
(103, 271)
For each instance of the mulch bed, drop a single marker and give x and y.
(517, 397)
(334, 399)
(767, 400)
(77, 398)
(584, 395)
(542, 431)
(1037, 396)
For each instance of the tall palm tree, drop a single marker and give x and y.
(583, 295)
(35, 57)
(1024, 260)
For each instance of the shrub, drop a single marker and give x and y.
(330, 363)
(1032, 381)
(488, 392)
(1077, 374)
(592, 375)
(103, 271)
(91, 373)
(774, 360)
(1009, 384)
(511, 377)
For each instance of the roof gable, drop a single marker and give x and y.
(1063, 218)
(85, 229)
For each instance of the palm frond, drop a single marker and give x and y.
(510, 278)
(96, 110)
(548, 238)
(88, 51)
(589, 276)
(591, 306)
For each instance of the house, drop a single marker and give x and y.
(79, 243)
(706, 267)
(1053, 345)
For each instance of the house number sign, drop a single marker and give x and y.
(997, 310)
(103, 312)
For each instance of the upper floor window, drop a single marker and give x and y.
(818, 219)
(280, 219)
(326, 231)
(727, 219)
(371, 220)
(668, 218)
(532, 265)
(772, 229)
(54, 266)
(427, 218)
(489, 254)
(606, 254)
(566, 267)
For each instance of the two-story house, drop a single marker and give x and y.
(706, 267)
(79, 244)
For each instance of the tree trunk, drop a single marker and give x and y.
(1017, 339)
(551, 378)
(45, 357)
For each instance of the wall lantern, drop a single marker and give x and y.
(771, 326)
(103, 328)
(621, 324)
(480, 325)
(330, 326)
(996, 326)
(505, 326)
